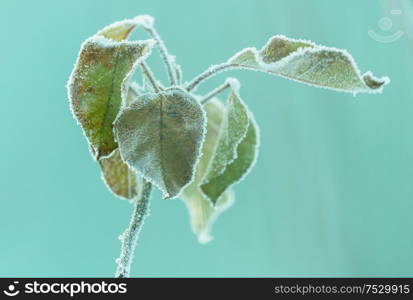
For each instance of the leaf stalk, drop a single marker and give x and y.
(211, 71)
(164, 54)
(149, 75)
(214, 92)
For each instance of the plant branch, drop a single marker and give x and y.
(148, 73)
(130, 236)
(214, 92)
(211, 71)
(164, 54)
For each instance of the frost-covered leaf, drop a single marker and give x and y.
(309, 63)
(119, 31)
(97, 84)
(233, 130)
(160, 135)
(235, 171)
(236, 149)
(202, 213)
(119, 178)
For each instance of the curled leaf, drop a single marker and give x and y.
(202, 213)
(119, 178)
(160, 136)
(233, 130)
(98, 83)
(233, 157)
(309, 63)
(235, 171)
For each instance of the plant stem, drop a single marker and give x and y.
(211, 71)
(164, 54)
(130, 236)
(214, 92)
(148, 73)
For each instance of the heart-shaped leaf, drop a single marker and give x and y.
(309, 63)
(98, 84)
(119, 178)
(201, 212)
(160, 136)
(236, 150)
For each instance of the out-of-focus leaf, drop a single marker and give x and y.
(236, 150)
(160, 135)
(202, 213)
(119, 178)
(309, 63)
(98, 84)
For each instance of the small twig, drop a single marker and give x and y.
(211, 71)
(214, 92)
(164, 54)
(130, 236)
(149, 75)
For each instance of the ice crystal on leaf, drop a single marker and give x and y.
(160, 136)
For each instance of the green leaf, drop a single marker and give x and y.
(236, 150)
(235, 171)
(119, 178)
(97, 86)
(233, 130)
(202, 213)
(160, 136)
(309, 63)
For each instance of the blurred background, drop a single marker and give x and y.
(330, 195)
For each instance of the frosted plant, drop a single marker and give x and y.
(190, 146)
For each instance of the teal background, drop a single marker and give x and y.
(330, 195)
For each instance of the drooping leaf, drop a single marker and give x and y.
(202, 213)
(236, 149)
(119, 178)
(309, 63)
(160, 136)
(98, 84)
